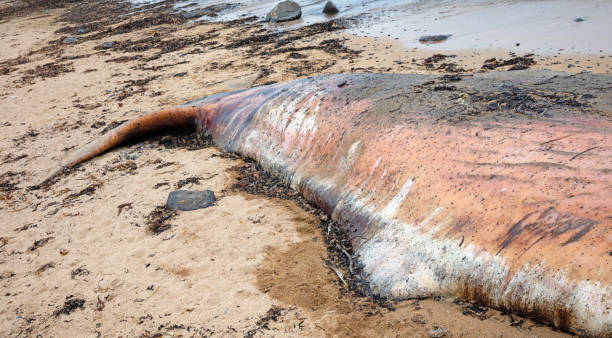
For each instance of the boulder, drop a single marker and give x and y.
(284, 11)
(330, 8)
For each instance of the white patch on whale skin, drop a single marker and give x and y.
(391, 208)
(430, 217)
(419, 284)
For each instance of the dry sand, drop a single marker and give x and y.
(76, 259)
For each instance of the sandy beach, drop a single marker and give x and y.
(94, 254)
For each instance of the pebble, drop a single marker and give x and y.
(437, 333)
(190, 200)
(69, 40)
(108, 44)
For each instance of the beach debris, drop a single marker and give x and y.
(100, 304)
(69, 40)
(284, 11)
(7, 275)
(39, 243)
(437, 332)
(475, 310)
(47, 70)
(517, 62)
(87, 191)
(79, 272)
(273, 314)
(434, 62)
(98, 124)
(335, 270)
(330, 8)
(451, 78)
(126, 206)
(158, 218)
(45, 267)
(434, 38)
(70, 305)
(190, 200)
(188, 180)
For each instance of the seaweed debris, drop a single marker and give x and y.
(157, 220)
(72, 303)
(517, 62)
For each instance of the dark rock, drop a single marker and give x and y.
(284, 11)
(69, 40)
(190, 200)
(330, 8)
(578, 19)
(193, 14)
(108, 44)
(82, 30)
(434, 38)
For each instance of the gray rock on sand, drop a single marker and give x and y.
(190, 200)
(284, 11)
(437, 333)
(69, 39)
(108, 44)
(330, 8)
(434, 38)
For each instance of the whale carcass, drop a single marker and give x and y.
(494, 187)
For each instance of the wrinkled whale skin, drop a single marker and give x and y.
(509, 212)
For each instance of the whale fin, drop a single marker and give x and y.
(154, 121)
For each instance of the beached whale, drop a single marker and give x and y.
(494, 187)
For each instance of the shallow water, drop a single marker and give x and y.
(540, 26)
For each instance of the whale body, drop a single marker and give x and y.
(495, 188)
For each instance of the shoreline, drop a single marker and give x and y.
(250, 264)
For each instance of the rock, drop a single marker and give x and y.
(284, 11)
(69, 40)
(193, 14)
(82, 31)
(190, 200)
(437, 333)
(330, 8)
(578, 19)
(108, 44)
(434, 38)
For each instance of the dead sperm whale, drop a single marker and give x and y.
(496, 188)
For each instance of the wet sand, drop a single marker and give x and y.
(78, 258)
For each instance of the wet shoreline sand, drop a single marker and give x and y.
(77, 257)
